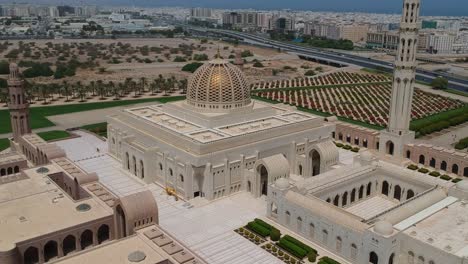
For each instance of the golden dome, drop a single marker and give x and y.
(218, 86)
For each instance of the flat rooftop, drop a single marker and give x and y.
(447, 229)
(372, 206)
(35, 206)
(150, 245)
(186, 126)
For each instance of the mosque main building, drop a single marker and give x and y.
(219, 141)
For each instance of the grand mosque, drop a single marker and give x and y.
(218, 142)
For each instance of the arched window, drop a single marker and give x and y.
(299, 224)
(465, 172)
(50, 250)
(340, 136)
(409, 194)
(338, 244)
(353, 251)
(2, 172)
(103, 233)
(397, 192)
(134, 165)
(69, 245)
(31, 256)
(171, 173)
(16, 169)
(443, 165)
(336, 201)
(181, 178)
(455, 169)
(410, 257)
(160, 166)
(361, 192)
(142, 169)
(391, 259)
(432, 163)
(127, 159)
(385, 188)
(369, 189)
(373, 258)
(312, 230)
(288, 217)
(421, 260)
(408, 154)
(422, 159)
(274, 209)
(300, 170)
(325, 236)
(86, 239)
(344, 199)
(353, 195)
(10, 170)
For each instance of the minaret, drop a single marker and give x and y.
(18, 105)
(397, 134)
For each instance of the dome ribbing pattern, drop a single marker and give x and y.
(218, 86)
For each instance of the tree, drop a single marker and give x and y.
(4, 67)
(439, 83)
(192, 67)
(309, 73)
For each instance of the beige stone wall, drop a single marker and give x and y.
(439, 158)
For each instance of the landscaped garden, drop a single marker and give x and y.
(284, 247)
(99, 129)
(39, 115)
(54, 135)
(4, 143)
(436, 174)
(363, 98)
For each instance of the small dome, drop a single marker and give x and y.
(383, 228)
(282, 183)
(462, 185)
(367, 156)
(218, 86)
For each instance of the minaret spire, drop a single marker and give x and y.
(18, 105)
(397, 134)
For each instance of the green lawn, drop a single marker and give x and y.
(4, 143)
(457, 92)
(99, 128)
(39, 114)
(53, 135)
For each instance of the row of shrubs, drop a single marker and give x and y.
(347, 147)
(433, 173)
(297, 248)
(462, 144)
(264, 229)
(327, 260)
(440, 121)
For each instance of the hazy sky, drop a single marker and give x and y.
(429, 7)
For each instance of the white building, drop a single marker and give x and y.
(219, 141)
(376, 212)
(200, 12)
(440, 43)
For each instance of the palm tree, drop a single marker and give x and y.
(100, 89)
(92, 85)
(183, 85)
(143, 83)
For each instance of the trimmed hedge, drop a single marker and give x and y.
(412, 167)
(423, 170)
(457, 180)
(440, 121)
(299, 243)
(312, 257)
(262, 231)
(327, 260)
(446, 177)
(292, 248)
(434, 174)
(263, 223)
(275, 234)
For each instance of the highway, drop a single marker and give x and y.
(334, 56)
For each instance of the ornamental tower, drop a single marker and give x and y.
(397, 134)
(18, 105)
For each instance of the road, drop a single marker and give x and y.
(335, 56)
